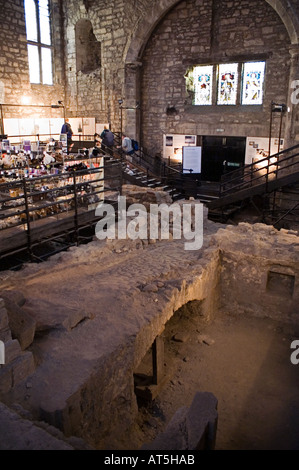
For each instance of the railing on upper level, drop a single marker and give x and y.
(261, 172)
(153, 166)
(37, 209)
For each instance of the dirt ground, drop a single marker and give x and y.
(245, 363)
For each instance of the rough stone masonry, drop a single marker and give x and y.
(98, 309)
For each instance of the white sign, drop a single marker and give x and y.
(173, 145)
(257, 148)
(192, 160)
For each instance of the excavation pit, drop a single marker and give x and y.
(99, 309)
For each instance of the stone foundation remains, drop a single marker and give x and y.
(97, 310)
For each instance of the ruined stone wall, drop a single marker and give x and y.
(14, 68)
(97, 92)
(195, 33)
(259, 274)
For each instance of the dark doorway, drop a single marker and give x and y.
(221, 155)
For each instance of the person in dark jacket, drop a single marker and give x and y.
(67, 129)
(107, 140)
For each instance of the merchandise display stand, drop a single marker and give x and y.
(39, 203)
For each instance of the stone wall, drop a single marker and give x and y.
(14, 68)
(260, 272)
(97, 93)
(15, 337)
(146, 48)
(195, 33)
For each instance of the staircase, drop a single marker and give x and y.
(267, 179)
(283, 207)
(144, 168)
(208, 191)
(139, 177)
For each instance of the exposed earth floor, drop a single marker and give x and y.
(245, 363)
(94, 300)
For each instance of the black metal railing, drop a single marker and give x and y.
(282, 207)
(35, 210)
(261, 172)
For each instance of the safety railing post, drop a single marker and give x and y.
(76, 208)
(28, 230)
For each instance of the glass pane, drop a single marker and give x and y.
(228, 84)
(33, 64)
(31, 23)
(253, 82)
(203, 82)
(44, 20)
(47, 66)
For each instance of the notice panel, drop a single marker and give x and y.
(192, 159)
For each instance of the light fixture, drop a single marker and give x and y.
(25, 100)
(279, 108)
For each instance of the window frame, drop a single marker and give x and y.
(240, 77)
(219, 80)
(40, 45)
(212, 78)
(243, 71)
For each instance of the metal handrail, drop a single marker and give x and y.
(246, 177)
(286, 214)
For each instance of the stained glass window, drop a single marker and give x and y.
(203, 82)
(37, 17)
(227, 84)
(253, 83)
(200, 79)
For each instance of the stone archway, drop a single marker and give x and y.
(88, 49)
(282, 7)
(286, 12)
(133, 54)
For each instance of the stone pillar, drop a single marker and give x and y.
(292, 117)
(131, 105)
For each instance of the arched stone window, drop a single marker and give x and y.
(88, 49)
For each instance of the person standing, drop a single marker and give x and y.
(127, 145)
(67, 129)
(107, 140)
